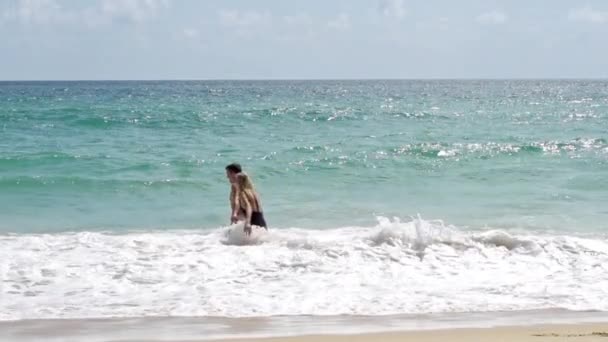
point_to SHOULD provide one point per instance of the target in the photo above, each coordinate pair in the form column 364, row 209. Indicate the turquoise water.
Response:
column 114, row 201
column 82, row 156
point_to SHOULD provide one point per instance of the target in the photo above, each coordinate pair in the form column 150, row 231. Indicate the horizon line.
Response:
column 320, row 79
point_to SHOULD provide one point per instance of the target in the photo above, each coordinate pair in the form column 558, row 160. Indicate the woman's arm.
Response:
column 248, row 212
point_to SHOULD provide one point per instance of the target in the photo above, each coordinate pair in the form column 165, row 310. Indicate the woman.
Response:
column 249, row 203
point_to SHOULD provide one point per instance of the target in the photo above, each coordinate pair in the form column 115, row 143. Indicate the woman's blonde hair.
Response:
column 246, row 190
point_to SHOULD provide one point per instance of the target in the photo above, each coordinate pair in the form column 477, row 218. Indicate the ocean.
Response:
column 383, row 197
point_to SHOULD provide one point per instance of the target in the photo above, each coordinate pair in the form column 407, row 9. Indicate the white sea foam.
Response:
column 395, row 267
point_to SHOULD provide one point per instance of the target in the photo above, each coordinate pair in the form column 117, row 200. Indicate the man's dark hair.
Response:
column 234, row 167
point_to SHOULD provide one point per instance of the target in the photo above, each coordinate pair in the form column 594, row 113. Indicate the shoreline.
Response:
column 509, row 326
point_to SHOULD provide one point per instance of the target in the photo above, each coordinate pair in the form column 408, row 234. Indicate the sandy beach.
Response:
column 538, row 326
column 580, row 332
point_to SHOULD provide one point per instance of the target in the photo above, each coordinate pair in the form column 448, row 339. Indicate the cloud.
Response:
column 588, row 14
column 340, row 23
column 443, row 23
column 36, row 12
column 50, row 12
column 492, row 18
column 243, row 19
column 190, row 32
column 296, row 27
column 393, row 9
column 300, row 19
column 135, row 11
column 246, row 24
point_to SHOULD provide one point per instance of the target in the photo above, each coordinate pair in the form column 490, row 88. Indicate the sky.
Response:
column 312, row 39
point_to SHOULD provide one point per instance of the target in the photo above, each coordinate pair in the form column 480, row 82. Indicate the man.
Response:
column 231, row 171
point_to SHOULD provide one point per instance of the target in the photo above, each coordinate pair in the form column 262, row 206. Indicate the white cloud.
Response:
column 300, row 19
column 393, row 8
column 245, row 24
column 443, row 23
column 190, row 32
column 340, row 23
column 296, row 27
column 243, row 19
column 36, row 12
column 102, row 12
column 493, row 17
column 132, row 10
column 588, row 14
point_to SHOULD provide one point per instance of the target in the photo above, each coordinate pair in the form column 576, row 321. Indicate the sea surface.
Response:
column 397, row 197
